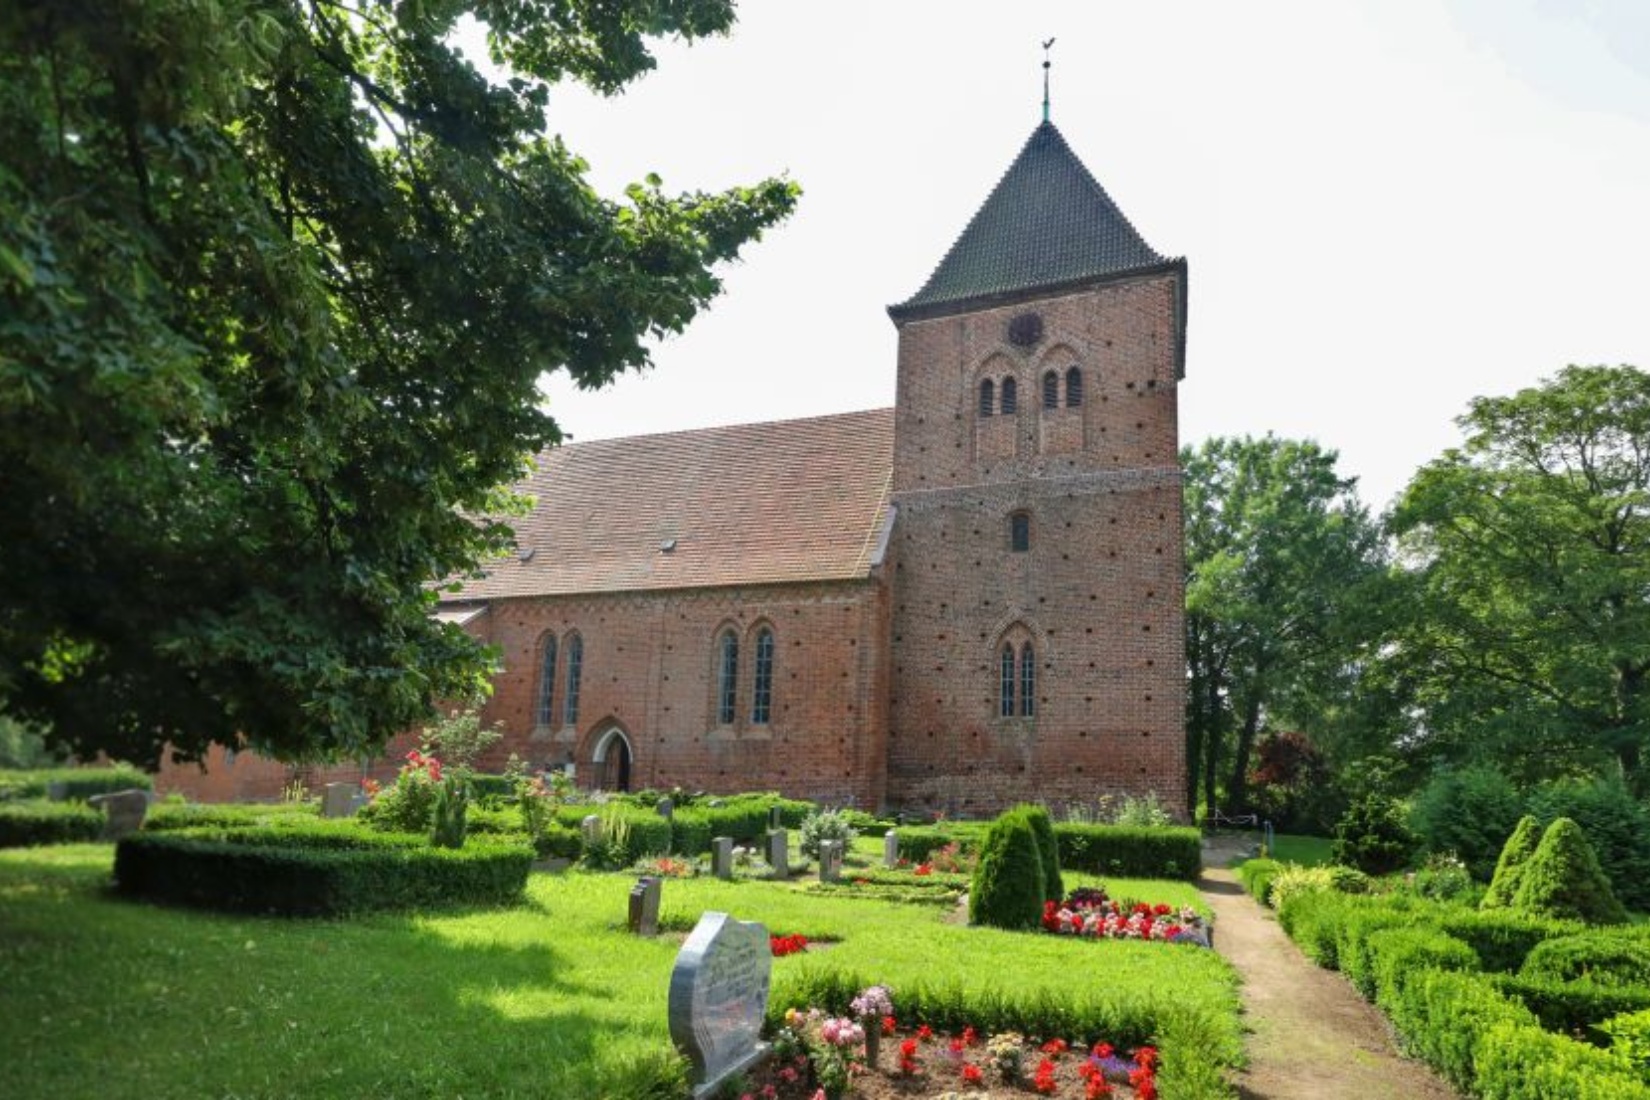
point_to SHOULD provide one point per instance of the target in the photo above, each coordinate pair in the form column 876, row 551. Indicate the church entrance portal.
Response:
column 612, row 762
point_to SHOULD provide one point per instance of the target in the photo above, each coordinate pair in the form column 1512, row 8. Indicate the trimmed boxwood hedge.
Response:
column 1174, row 852
column 650, row 834
column 1257, row 875
column 167, row 817
column 316, row 872
column 1573, row 1007
column 36, row 821
column 78, row 784
column 1600, row 957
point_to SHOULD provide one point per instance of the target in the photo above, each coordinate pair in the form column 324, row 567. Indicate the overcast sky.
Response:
column 1388, row 206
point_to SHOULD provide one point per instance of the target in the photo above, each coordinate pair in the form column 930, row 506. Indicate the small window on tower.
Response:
column 1019, row 532
column 1011, row 398
column 1074, row 388
column 988, row 397
column 1051, row 390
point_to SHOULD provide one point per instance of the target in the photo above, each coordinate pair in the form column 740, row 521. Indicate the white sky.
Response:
column 1388, row 206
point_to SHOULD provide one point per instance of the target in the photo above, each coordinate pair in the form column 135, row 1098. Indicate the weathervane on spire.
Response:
column 1046, row 64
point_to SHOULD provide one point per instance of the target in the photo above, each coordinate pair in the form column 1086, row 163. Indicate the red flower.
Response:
column 908, row 1057
column 1055, row 1047
column 957, row 1046
column 1097, row 1088
column 924, row 869
column 924, row 1032
column 888, row 1025
column 1162, row 909
column 1103, row 1050
column 970, row 1036
column 1043, row 1081
column 971, row 1073
column 1146, row 1058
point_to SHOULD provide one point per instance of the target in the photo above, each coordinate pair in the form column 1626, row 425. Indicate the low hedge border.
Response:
column 314, row 872
column 1172, row 852
column 168, row 817
column 1256, row 875
column 77, row 784
column 1573, row 1007
column 24, row 824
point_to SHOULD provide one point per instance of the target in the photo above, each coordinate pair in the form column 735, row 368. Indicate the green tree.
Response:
column 278, row 281
column 1278, row 552
column 1529, row 547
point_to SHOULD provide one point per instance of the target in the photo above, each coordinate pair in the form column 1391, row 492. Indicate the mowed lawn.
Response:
column 109, row 998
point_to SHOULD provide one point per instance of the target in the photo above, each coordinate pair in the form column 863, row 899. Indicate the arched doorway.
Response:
column 611, row 761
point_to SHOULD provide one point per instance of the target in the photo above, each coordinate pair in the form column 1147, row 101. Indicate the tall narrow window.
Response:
column 545, row 712
column 1028, row 681
column 1011, row 397
column 762, row 693
column 1006, row 706
column 988, row 397
column 575, row 673
column 1019, row 532
column 1074, row 388
column 727, row 678
column 1051, row 390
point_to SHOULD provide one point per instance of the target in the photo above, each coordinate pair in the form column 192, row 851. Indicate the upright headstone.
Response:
column 890, row 849
column 666, row 808
column 721, row 857
column 779, row 853
column 718, row 999
column 830, row 861
column 591, row 827
column 776, row 819
column 338, row 799
column 644, row 906
column 57, row 791
column 123, row 810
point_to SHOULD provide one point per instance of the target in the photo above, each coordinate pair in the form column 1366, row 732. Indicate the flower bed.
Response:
column 1087, row 911
column 787, row 945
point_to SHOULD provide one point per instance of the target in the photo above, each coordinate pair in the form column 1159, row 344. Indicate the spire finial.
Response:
column 1046, row 64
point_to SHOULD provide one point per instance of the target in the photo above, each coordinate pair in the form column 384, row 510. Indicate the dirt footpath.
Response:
column 1311, row 1036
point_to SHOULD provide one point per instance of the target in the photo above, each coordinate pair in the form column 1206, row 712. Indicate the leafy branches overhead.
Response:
column 278, row 279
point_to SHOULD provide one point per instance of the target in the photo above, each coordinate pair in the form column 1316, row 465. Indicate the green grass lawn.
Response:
column 112, row 998
column 1309, row 851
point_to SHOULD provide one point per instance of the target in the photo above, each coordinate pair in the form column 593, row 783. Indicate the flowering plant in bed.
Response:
column 1087, row 911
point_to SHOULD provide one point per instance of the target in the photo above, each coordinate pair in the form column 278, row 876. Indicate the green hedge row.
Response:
column 648, row 833
column 1257, row 875
column 165, row 817
column 77, row 783
column 1130, row 851
column 26, row 823
column 313, row 872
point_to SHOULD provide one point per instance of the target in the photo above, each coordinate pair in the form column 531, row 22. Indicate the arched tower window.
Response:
column 575, row 674
column 1019, row 532
column 762, row 691
column 1028, row 681
column 1074, row 388
column 544, row 714
column 988, row 397
column 1005, row 706
column 1011, row 397
column 1051, row 390
column 727, row 677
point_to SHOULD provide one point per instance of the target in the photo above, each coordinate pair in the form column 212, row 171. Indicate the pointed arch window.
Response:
column 1011, row 397
column 762, row 691
column 1074, row 388
column 1051, row 390
column 1028, row 681
column 988, row 397
column 727, row 677
column 544, row 713
column 1019, row 532
column 575, row 675
column 1005, row 706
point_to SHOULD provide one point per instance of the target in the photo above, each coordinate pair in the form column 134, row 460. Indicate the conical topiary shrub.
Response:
column 1054, row 886
column 1007, row 890
column 1516, row 852
column 1562, row 880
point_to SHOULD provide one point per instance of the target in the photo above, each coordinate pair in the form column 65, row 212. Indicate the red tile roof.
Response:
column 774, row 503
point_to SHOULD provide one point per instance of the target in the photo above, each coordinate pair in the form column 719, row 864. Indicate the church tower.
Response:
column 1037, row 618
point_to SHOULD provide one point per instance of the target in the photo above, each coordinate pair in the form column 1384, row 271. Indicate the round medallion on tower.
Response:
column 1025, row 330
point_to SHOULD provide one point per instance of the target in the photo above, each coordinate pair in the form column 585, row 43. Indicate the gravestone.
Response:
column 57, row 791
column 718, row 999
column 721, row 857
column 779, row 853
column 776, row 819
column 644, row 906
column 830, row 861
column 123, row 810
column 591, row 827
column 339, row 799
column 666, row 808
column 890, row 849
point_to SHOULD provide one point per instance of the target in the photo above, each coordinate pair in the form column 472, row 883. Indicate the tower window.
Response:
column 1051, row 390
column 1006, row 704
column 988, row 397
column 727, row 678
column 575, row 674
column 545, row 712
column 1028, row 681
column 762, row 693
column 1074, row 388
column 1011, row 398
column 1019, row 532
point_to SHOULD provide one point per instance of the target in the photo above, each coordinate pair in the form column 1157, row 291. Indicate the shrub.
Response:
column 225, row 815
column 1145, row 812
column 556, row 841
column 918, row 842
column 24, row 824
column 1008, row 885
column 1257, row 875
column 1573, row 1008
column 1397, row 953
column 1509, row 868
column 1468, row 812
column 1563, row 880
column 1054, row 886
column 1443, row 1013
column 447, row 816
column 1372, row 836
column 825, row 825
column 1522, row 1062
column 1294, row 879
column 1175, row 852
column 1601, row 957
column 628, row 833
column 299, row 872
column 1629, row 1036
column 1445, row 878
column 1502, row 938
column 1617, row 825
column 77, row 784
column 409, row 805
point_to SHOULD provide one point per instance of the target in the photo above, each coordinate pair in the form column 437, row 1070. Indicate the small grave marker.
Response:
column 718, row 999
column 890, row 849
column 721, row 857
column 779, row 849
column 830, row 861
column 339, row 799
column 591, row 827
column 124, row 811
column 644, row 906
column 666, row 808
column 776, row 819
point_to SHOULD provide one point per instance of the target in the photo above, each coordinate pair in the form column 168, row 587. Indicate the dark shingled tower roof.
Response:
column 1048, row 223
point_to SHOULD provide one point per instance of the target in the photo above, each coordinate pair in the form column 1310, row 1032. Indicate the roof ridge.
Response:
column 573, row 444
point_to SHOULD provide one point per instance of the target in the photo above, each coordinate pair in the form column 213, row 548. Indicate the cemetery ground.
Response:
column 550, row 998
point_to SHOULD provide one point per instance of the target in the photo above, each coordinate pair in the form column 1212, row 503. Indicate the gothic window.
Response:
column 544, row 713
column 1074, row 388
column 1006, row 692
column 762, row 692
column 988, row 397
column 1019, row 532
column 1011, row 400
column 1051, row 390
column 575, row 673
column 1028, row 681
column 727, row 677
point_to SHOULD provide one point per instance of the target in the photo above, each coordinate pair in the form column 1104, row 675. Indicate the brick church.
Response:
column 972, row 598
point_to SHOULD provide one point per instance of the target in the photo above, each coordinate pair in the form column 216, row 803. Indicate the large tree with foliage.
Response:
column 1529, row 548
column 278, row 280
column 1280, row 556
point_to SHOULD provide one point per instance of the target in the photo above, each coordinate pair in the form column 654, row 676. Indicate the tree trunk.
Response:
column 1237, row 791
